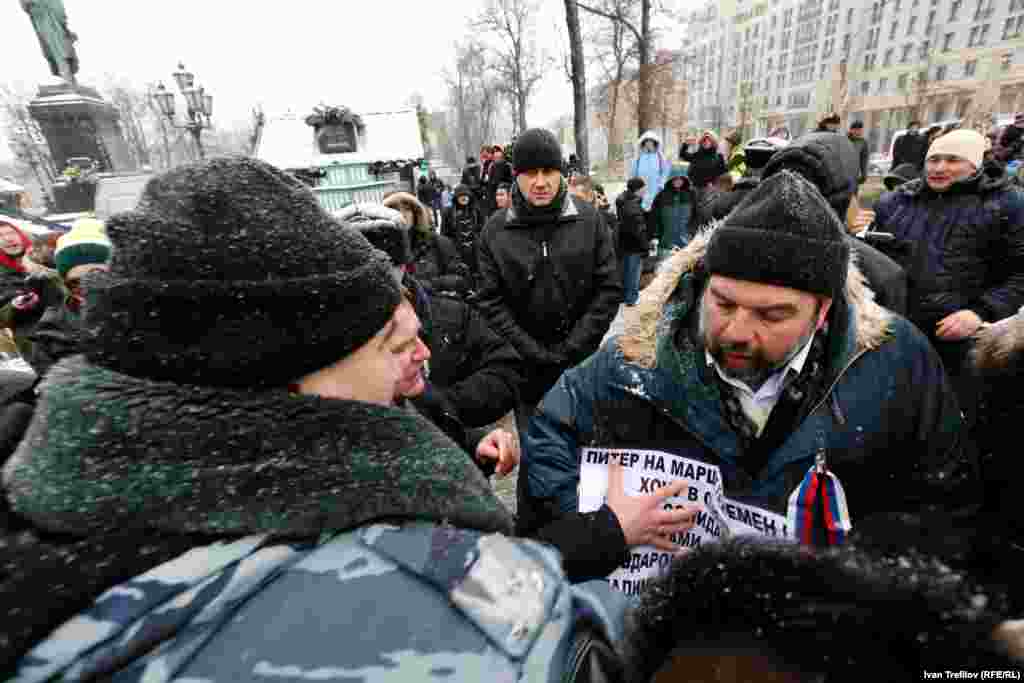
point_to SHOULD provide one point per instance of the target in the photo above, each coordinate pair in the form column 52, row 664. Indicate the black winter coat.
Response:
column 550, row 289
column 500, row 172
column 910, row 148
column 861, row 145
column 436, row 263
column 462, row 224
column 471, row 176
column 477, row 371
column 705, row 165
column 632, row 224
column 969, row 247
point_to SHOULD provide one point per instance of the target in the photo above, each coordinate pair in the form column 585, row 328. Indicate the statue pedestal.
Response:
column 77, row 122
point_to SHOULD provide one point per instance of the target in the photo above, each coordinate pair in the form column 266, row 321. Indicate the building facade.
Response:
column 765, row 63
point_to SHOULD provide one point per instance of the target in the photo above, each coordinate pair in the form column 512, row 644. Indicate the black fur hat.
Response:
column 841, row 614
column 229, row 273
column 782, row 233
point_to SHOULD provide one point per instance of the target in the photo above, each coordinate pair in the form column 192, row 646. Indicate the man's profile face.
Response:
column 752, row 329
column 540, row 185
column 942, row 170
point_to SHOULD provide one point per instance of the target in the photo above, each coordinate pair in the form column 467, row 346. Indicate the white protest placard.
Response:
column 644, row 472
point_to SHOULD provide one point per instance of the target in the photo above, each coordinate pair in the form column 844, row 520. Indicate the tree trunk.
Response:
column 645, row 117
column 579, row 85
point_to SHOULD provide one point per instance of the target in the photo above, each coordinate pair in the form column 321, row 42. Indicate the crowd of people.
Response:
column 245, row 438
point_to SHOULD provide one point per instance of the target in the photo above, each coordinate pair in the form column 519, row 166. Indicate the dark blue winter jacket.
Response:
column 969, row 246
column 888, row 421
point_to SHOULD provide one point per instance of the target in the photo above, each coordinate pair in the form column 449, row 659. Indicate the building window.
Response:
column 849, row 16
column 901, row 82
column 947, row 42
column 865, row 87
column 888, row 57
column 787, row 18
column 906, row 53
column 940, row 72
column 954, row 9
column 846, row 44
column 780, row 82
column 883, row 85
column 775, row 20
column 910, row 25
column 970, row 67
column 892, row 31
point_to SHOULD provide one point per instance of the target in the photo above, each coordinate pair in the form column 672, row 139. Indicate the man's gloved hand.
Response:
column 47, row 287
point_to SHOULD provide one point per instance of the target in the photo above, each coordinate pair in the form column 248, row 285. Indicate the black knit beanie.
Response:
column 783, row 233
column 537, row 148
column 383, row 227
column 228, row 273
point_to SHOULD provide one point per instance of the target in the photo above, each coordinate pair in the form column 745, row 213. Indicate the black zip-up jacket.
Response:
column 705, row 165
column 551, row 289
column 632, row 224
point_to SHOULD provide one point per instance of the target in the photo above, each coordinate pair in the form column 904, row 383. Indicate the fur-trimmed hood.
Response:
column 404, row 200
column 642, row 323
column 107, row 451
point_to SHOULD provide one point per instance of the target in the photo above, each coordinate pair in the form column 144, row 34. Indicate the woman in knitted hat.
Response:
column 231, row 439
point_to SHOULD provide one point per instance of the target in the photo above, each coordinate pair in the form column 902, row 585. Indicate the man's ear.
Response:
column 825, row 305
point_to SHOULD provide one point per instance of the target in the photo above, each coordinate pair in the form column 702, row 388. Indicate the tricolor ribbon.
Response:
column 819, row 503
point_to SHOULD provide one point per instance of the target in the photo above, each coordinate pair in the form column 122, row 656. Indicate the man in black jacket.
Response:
column 548, row 282
column 499, row 174
column 435, row 260
column 910, row 147
column 633, row 243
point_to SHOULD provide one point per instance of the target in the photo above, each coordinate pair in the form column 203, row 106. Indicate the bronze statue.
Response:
column 58, row 42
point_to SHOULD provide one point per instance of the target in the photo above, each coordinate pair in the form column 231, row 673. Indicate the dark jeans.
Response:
column 632, row 265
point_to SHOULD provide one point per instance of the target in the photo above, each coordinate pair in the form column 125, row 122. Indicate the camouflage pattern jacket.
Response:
column 383, row 603
column 255, row 510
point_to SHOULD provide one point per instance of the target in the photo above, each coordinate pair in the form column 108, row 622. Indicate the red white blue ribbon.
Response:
column 819, row 502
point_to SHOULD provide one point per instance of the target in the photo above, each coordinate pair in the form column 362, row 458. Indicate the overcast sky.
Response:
column 367, row 54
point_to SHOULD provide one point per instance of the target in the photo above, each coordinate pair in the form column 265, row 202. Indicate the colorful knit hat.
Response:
column 85, row 243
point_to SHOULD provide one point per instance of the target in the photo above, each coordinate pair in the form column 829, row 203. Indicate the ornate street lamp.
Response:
column 199, row 105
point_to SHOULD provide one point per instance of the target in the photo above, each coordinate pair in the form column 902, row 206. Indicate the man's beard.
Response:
column 761, row 368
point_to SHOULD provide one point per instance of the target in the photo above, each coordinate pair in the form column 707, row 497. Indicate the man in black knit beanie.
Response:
column 548, row 280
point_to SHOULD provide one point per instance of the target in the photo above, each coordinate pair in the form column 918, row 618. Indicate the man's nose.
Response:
column 422, row 351
column 739, row 329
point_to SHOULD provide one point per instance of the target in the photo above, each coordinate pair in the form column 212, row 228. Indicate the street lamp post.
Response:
column 199, row 105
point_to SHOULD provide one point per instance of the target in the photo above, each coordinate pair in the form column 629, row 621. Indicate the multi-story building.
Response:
column 765, row 63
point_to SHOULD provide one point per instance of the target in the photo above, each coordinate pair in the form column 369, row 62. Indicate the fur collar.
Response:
column 641, row 322
column 109, row 451
column 999, row 346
